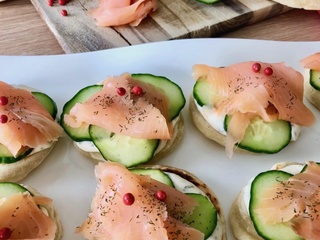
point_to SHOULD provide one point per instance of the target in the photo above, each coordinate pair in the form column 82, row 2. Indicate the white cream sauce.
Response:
column 217, row 121
column 40, row 148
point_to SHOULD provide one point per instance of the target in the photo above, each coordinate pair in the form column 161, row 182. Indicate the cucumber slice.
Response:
column 47, row 102
column 264, row 137
column 81, row 133
column 173, row 92
column 315, row 79
column 9, row 188
column 279, row 231
column 123, row 149
column 204, row 217
column 203, row 93
column 155, row 174
column 7, row 157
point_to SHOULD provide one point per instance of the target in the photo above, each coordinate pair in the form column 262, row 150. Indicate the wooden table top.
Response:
column 23, row 32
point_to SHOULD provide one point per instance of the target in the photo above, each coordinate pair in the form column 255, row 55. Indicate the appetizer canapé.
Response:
column 129, row 119
column 132, row 204
column 28, row 130
column 255, row 106
column 26, row 214
column 280, row 204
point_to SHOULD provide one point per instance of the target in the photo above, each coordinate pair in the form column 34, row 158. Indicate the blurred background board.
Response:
column 174, row 19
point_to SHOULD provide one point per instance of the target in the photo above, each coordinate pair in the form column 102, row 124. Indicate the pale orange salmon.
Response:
column 296, row 201
column 21, row 214
column 311, row 61
column 120, row 12
column 29, row 123
column 144, row 116
column 147, row 218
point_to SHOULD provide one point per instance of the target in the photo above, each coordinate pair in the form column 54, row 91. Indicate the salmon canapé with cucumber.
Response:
column 27, row 214
column 28, row 130
column 150, row 203
column 279, row 204
column 130, row 119
column 250, row 106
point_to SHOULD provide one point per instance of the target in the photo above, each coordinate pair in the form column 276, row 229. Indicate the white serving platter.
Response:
column 68, row 178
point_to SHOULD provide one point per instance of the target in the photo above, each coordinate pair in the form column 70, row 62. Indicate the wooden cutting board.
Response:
column 174, row 19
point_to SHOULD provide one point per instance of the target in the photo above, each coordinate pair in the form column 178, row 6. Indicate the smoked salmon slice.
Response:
column 22, row 215
column 120, row 12
column 244, row 93
column 144, row 116
column 312, row 61
column 296, row 201
column 147, row 218
column 177, row 230
column 29, row 124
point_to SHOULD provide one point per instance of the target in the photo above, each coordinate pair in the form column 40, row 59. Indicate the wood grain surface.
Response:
column 172, row 20
column 296, row 25
column 23, row 32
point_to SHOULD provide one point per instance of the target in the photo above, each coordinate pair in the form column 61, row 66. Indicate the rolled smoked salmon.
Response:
column 121, row 12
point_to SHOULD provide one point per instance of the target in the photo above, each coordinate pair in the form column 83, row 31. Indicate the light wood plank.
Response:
column 23, row 32
column 172, row 20
column 296, row 25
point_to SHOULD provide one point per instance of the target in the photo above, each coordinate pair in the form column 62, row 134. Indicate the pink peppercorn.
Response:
column 128, row 199
column 3, row 100
column 64, row 12
column 256, row 67
column 5, row 233
column 268, row 71
column 121, row 91
column 136, row 90
column 161, row 195
column 3, row 118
